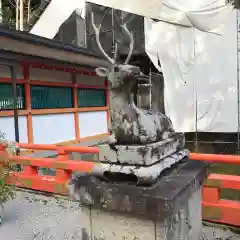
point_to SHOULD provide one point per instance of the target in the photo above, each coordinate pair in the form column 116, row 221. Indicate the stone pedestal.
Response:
column 144, row 155
column 168, row 210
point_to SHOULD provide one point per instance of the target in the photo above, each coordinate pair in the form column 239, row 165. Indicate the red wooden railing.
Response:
column 29, row 177
column 214, row 208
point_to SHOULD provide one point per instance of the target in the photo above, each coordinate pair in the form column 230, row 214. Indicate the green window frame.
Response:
column 91, row 97
column 6, row 98
column 50, row 97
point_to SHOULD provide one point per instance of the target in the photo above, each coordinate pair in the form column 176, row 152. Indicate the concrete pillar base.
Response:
column 169, row 210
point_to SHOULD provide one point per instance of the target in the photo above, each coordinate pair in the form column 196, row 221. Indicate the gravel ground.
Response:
column 37, row 217
column 210, row 233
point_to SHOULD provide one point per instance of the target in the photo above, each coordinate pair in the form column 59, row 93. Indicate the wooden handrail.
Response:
column 215, row 158
column 51, row 147
column 64, row 166
column 73, row 165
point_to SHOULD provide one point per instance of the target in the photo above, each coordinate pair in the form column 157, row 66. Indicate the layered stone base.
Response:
column 143, row 155
column 143, row 174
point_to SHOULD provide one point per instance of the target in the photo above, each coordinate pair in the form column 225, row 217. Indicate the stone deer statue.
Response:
column 129, row 124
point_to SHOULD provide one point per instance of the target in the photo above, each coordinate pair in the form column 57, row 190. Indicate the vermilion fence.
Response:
column 214, row 208
column 29, row 177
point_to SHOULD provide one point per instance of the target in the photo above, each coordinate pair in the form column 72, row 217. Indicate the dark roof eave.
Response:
column 12, row 43
column 18, row 58
column 30, row 38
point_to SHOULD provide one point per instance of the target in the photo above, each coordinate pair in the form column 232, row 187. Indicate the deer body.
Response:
column 129, row 124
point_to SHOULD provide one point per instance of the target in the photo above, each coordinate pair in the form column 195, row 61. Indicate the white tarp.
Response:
column 196, row 13
column 56, row 13
column 199, row 68
column 147, row 8
column 202, row 14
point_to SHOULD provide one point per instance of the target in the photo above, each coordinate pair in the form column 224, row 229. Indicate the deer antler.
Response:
column 115, row 52
column 97, row 33
column 130, row 35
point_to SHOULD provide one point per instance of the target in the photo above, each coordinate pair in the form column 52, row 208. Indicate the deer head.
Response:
column 117, row 73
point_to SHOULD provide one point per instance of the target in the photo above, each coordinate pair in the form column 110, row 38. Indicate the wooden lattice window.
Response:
column 6, row 97
column 91, row 97
column 46, row 97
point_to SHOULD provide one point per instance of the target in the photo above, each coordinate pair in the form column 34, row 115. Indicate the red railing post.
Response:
column 30, row 170
column 62, row 174
column 215, row 208
column 210, row 194
column 3, row 154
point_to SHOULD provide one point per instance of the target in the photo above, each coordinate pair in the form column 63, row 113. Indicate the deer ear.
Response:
column 102, row 72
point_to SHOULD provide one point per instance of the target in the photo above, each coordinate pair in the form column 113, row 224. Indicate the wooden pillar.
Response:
column 28, row 103
column 75, row 102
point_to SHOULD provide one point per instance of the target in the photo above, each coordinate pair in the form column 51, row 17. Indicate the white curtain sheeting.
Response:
column 206, row 15
column 147, row 8
column 199, row 68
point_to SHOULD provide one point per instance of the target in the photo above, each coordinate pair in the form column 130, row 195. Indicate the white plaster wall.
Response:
column 60, row 76
column 49, row 75
column 89, row 80
column 5, row 72
column 92, row 123
column 53, row 128
column 7, row 126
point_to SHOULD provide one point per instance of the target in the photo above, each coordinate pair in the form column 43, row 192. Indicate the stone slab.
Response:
column 183, row 225
column 144, row 155
column 158, row 201
column 143, row 174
